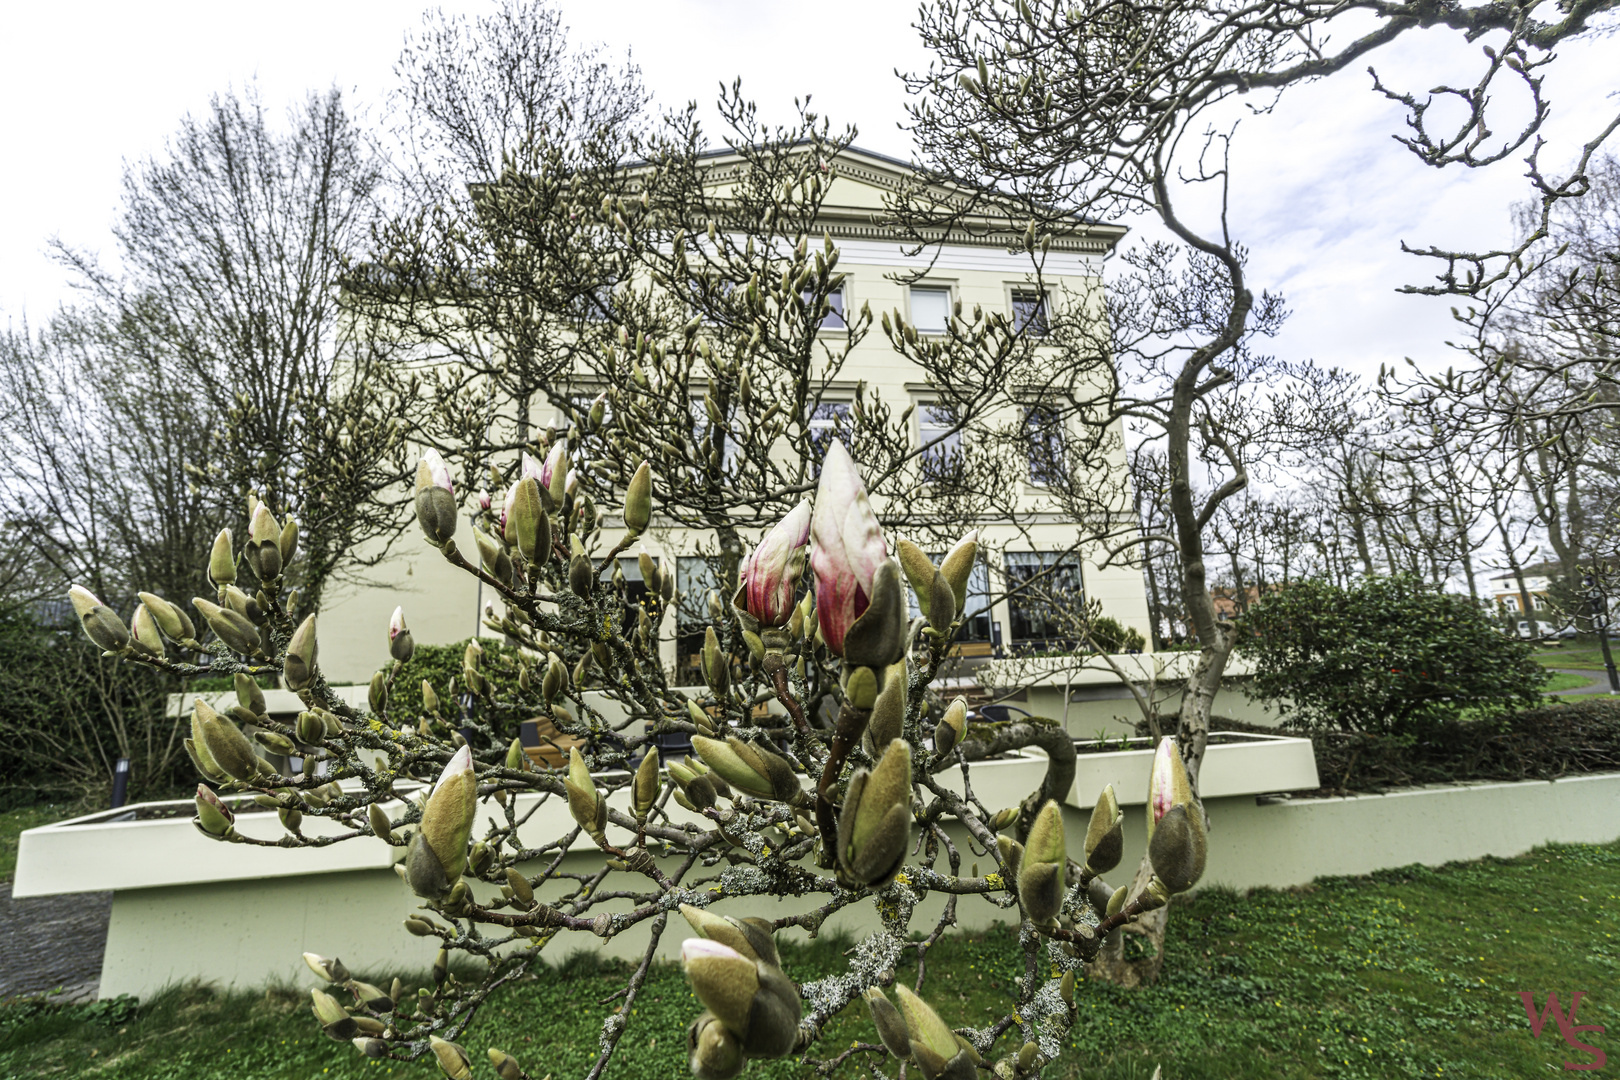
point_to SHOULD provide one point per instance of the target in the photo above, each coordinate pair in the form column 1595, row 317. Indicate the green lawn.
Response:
column 1579, row 657
column 14, row 822
column 1559, row 680
column 1403, row 974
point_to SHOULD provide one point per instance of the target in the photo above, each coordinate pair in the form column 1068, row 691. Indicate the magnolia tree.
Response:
column 769, row 805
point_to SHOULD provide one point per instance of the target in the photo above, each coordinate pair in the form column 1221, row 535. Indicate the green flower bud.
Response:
column 310, row 728
column 235, row 629
column 521, row 889
column 505, row 1065
column 555, row 680
column 1168, row 783
column 100, row 623
column 420, row 927
column 1116, row 902
column 379, row 823
column 713, row 1052
column 957, row 567
column 753, row 938
column 170, row 619
column 952, row 727
column 1012, row 855
column 877, row 638
column 939, row 1054
column 435, row 499
column 213, row 816
column 581, row 576
column 1003, row 818
column 288, row 541
column 1179, row 847
column 370, row 1047
column 224, row 743
column 516, row 759
column 529, row 523
column 430, row 699
column 204, row 764
column 333, row 1018
column 715, row 663
column 861, row 687
column 889, row 710
column 697, row 787
column 891, row 1026
column 1066, row 988
column 750, row 767
column 143, row 629
column 493, row 554
column 644, row 790
column 585, row 803
column 754, row 1001
column 372, row 997
column 447, row 819
column 919, row 569
column 330, row 970
column 299, row 667
column 222, row 561
column 874, row 827
column 276, row 743
column 638, row 499
column 453, row 1060
column 377, row 693
column 249, row 695
column 1040, row 876
column 1105, row 835
column 400, row 645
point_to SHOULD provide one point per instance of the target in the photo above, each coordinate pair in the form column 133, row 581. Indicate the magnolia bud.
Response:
column 752, row 937
column 713, row 1052
column 1040, row 875
column 585, row 803
column 430, row 699
column 528, row 521
column 453, row 1060
column 379, row 822
column 213, row 816
column 938, row 1052
column 100, row 624
column 1003, row 818
column 400, row 645
column 581, row 576
column 1179, row 847
column 952, row 727
column 715, row 663
column 435, row 499
column 505, row 1065
column 874, row 827
column 644, row 790
column 333, row 1018
column 1168, row 784
column 638, row 499
column 170, row 619
column 891, row 1026
column 750, row 767
column 447, row 822
column 696, row 787
column 235, row 629
column 753, row 1000
column 221, row 560
column 888, row 718
column 957, row 567
column 1105, row 835
column 225, row 744
column 299, row 666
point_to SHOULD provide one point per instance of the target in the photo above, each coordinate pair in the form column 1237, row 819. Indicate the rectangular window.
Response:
column 829, row 420
column 1048, row 612
column 940, row 440
column 1029, row 312
column 930, row 308
column 695, row 577
column 1044, row 441
column 834, row 319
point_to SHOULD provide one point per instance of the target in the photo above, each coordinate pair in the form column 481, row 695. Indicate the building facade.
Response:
column 967, row 268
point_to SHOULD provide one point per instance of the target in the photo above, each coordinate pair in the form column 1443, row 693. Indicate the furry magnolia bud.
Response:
column 585, row 803
column 223, row 742
column 1040, row 873
column 749, row 766
column 939, row 1052
column 101, row 625
column 299, row 666
column 1105, row 835
column 638, row 499
column 753, row 1000
column 874, row 828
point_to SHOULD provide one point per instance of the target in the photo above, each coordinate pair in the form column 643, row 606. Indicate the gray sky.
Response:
column 1322, row 194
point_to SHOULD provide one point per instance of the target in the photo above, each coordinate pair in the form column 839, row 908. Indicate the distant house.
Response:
column 1538, row 580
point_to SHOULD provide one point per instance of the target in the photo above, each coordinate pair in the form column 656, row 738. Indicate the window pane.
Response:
column 930, row 308
column 940, row 439
column 1029, row 312
column 1046, row 612
column 1043, row 437
column 834, row 319
column 828, row 420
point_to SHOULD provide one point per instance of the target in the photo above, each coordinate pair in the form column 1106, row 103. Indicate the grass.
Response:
column 14, row 822
column 1406, row 973
column 1578, row 657
column 1559, row 680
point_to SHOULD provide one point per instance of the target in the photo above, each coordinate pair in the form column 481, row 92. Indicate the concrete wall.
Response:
column 245, row 933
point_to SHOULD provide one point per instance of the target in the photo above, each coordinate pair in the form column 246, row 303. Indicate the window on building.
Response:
column 1044, row 441
column 1048, row 610
column 940, row 440
column 930, row 308
column 834, row 319
column 829, row 420
column 695, row 577
column 595, row 304
column 1029, row 312
column 632, row 587
column 705, row 427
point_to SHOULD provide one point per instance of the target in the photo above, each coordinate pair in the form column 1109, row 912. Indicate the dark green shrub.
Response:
column 1388, row 655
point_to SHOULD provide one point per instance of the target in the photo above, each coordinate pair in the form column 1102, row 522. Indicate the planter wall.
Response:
column 195, row 923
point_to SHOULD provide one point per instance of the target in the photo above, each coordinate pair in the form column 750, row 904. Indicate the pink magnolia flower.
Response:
column 771, row 571
column 1167, row 784
column 483, row 499
column 396, row 623
column 434, row 472
column 848, row 546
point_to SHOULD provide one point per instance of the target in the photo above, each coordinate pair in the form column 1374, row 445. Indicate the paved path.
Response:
column 1598, row 685
column 52, row 942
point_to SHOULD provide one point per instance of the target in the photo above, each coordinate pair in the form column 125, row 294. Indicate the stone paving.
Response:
column 52, row 943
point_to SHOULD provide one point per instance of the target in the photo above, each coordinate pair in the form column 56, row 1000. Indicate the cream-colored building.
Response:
column 971, row 267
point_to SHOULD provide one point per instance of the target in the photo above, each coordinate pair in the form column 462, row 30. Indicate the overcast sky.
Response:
column 1322, row 194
